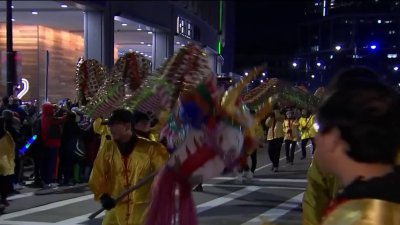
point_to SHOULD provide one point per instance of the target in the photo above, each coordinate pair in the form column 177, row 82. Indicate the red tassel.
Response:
column 162, row 205
column 187, row 210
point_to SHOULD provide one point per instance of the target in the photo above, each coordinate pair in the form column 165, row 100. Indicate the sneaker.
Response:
column 275, row 169
column 198, row 188
column 18, row 187
column 35, row 185
column 249, row 175
column 239, row 178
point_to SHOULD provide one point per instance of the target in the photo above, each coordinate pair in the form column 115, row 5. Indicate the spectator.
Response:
column 70, row 137
column 51, row 137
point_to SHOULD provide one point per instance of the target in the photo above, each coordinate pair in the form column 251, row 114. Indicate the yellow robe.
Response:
column 294, row 126
column 277, row 130
column 365, row 212
column 112, row 174
column 306, row 126
column 321, row 189
column 7, row 155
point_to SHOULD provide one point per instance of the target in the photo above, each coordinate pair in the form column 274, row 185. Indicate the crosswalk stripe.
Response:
column 200, row 208
column 227, row 198
column 267, row 179
column 13, row 222
column 273, row 214
column 261, row 187
column 45, row 207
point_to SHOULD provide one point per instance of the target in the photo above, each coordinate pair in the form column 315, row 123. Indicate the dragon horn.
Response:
column 230, row 97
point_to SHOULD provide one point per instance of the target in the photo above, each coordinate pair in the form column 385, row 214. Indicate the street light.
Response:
column 395, row 68
column 246, row 73
column 294, row 64
column 318, row 64
column 338, row 47
column 313, row 76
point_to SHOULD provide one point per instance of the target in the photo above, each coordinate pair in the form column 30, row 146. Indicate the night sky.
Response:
column 267, row 27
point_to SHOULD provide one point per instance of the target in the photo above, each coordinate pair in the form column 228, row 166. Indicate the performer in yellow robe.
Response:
column 321, row 190
column 121, row 163
column 7, row 164
column 358, row 141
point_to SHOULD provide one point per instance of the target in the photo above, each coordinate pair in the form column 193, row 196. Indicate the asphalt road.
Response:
column 224, row 201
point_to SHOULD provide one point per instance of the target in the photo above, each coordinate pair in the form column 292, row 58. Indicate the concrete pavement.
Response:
column 276, row 196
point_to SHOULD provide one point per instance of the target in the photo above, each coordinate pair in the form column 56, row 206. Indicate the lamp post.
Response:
column 11, row 76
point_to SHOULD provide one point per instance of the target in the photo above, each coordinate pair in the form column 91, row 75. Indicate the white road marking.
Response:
column 45, row 207
column 79, row 219
column 267, row 179
column 227, row 198
column 273, row 214
column 262, row 187
column 22, row 195
column 12, row 222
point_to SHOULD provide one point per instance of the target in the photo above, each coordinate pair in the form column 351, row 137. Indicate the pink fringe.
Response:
column 162, row 206
column 187, row 210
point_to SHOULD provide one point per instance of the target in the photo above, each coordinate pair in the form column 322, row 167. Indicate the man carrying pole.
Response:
column 122, row 162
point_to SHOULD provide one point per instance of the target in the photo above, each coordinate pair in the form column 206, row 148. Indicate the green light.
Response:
column 219, row 47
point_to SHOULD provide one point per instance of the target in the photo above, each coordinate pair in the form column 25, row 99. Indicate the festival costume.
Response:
column 291, row 131
column 367, row 202
column 321, row 189
column 7, row 164
column 306, row 126
column 204, row 129
column 113, row 173
column 275, row 137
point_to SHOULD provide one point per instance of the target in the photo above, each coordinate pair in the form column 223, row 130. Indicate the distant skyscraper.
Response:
column 340, row 33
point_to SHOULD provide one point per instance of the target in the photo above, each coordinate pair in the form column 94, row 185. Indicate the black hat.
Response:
column 120, row 115
column 144, row 116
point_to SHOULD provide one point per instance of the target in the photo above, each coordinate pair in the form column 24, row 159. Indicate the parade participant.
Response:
column 291, row 131
column 275, row 136
column 321, row 189
column 143, row 124
column 307, row 130
column 367, row 171
column 7, row 164
column 121, row 163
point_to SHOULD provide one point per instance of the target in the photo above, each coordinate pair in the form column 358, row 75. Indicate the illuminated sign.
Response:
column 184, row 27
column 25, row 88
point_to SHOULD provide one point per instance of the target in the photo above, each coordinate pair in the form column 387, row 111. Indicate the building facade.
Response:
column 104, row 30
column 339, row 34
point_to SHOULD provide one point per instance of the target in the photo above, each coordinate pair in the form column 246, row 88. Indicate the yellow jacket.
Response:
column 275, row 126
column 112, row 174
column 321, row 189
column 7, row 155
column 101, row 130
column 306, row 126
column 291, row 129
column 365, row 212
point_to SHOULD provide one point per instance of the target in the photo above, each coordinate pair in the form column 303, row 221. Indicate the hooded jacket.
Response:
column 50, row 123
